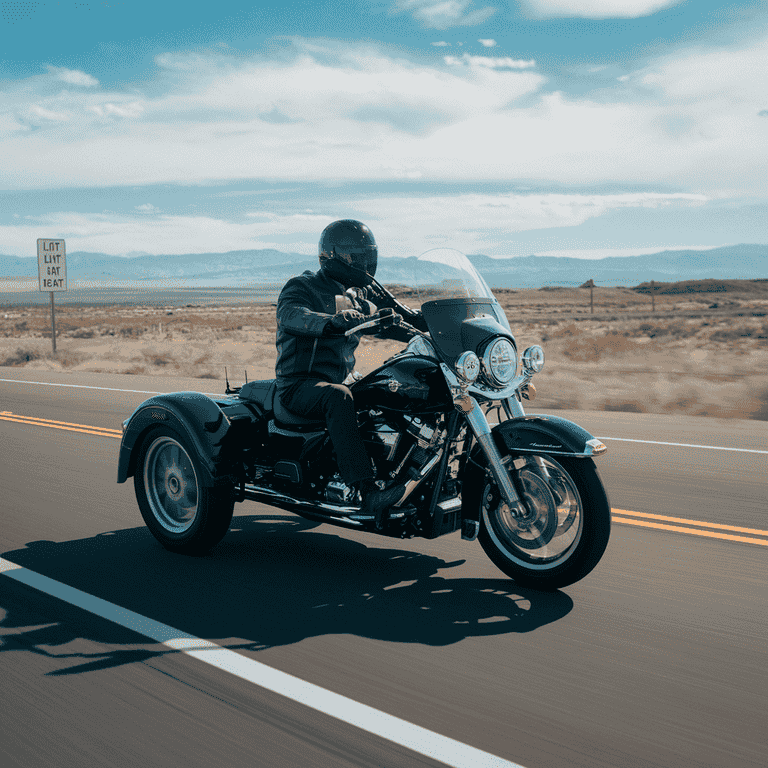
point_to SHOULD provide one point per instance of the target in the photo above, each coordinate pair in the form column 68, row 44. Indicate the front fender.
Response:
column 530, row 434
column 537, row 433
column 196, row 418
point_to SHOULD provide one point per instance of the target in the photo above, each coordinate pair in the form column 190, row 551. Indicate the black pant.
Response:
column 318, row 399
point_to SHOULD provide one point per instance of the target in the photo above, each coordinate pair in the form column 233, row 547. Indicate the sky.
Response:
column 584, row 128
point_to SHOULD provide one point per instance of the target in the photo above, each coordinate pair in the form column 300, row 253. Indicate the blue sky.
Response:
column 505, row 127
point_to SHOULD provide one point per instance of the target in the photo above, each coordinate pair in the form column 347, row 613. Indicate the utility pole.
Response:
column 591, row 285
column 653, row 297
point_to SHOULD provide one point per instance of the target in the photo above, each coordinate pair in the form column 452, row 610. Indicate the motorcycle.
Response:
column 526, row 486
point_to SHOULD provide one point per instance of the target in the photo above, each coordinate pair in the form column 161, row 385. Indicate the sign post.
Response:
column 52, row 271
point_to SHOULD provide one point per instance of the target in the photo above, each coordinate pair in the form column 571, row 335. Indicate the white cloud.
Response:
column 327, row 110
column 479, row 223
column 126, row 109
column 403, row 225
column 504, row 62
column 73, row 76
column 443, row 14
column 440, row 44
column 596, row 9
column 161, row 234
column 487, row 43
column 36, row 114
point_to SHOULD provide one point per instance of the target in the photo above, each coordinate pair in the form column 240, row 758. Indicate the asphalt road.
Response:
column 658, row 658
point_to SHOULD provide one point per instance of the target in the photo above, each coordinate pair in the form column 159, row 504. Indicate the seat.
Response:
column 265, row 394
column 288, row 418
column 261, row 392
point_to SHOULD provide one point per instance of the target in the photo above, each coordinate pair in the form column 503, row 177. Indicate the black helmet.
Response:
column 348, row 253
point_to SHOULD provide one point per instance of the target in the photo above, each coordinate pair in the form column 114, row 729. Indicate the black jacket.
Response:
column 307, row 345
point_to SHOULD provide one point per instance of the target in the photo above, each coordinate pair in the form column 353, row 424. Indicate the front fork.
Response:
column 475, row 417
column 482, row 432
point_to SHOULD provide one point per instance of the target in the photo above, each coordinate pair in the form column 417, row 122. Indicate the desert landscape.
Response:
column 702, row 350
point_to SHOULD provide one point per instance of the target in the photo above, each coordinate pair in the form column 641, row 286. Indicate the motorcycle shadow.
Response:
column 277, row 579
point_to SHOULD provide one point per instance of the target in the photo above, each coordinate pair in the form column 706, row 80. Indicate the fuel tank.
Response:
column 409, row 384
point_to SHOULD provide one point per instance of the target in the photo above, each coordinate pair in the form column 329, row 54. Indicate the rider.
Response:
column 314, row 356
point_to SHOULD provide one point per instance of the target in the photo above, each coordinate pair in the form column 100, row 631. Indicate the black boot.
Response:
column 376, row 502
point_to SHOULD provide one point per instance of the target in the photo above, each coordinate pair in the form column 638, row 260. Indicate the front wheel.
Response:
column 565, row 527
column 183, row 515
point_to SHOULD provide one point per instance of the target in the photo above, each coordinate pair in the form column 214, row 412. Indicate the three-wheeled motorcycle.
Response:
column 525, row 485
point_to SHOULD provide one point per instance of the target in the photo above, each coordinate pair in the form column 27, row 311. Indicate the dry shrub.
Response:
column 69, row 358
column 83, row 333
column 136, row 369
column 590, row 350
column 156, row 357
column 205, row 375
column 567, row 331
column 130, row 331
column 22, row 356
column 733, row 334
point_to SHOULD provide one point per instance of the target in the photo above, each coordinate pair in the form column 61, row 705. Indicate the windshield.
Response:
column 459, row 308
column 443, row 273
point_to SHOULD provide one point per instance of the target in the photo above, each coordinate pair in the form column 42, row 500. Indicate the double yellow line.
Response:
column 85, row 428
column 621, row 516
column 691, row 527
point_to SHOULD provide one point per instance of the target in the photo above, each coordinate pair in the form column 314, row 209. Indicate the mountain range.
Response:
column 253, row 267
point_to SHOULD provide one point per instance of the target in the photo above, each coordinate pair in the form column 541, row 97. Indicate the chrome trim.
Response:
column 528, row 363
column 482, row 432
column 468, row 366
column 470, row 529
column 411, row 485
column 450, row 504
column 513, row 408
column 488, row 373
column 499, row 394
column 596, row 448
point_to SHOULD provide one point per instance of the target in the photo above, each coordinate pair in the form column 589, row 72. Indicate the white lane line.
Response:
column 684, row 445
column 219, row 394
column 106, row 389
column 413, row 737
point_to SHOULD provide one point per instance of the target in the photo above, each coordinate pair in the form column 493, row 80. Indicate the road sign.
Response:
column 52, row 265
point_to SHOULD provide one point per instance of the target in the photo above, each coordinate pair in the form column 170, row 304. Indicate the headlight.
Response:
column 500, row 362
column 533, row 359
column 468, row 366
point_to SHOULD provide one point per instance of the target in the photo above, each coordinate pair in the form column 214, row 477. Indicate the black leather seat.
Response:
column 265, row 394
column 286, row 417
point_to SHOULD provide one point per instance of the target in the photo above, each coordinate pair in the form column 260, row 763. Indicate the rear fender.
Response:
column 210, row 428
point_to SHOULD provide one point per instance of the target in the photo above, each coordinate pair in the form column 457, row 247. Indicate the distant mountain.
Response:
column 242, row 268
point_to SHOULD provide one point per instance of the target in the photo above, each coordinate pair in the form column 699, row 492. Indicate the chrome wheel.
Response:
column 171, row 485
column 551, row 526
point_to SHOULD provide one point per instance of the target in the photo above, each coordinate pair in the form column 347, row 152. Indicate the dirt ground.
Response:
column 699, row 353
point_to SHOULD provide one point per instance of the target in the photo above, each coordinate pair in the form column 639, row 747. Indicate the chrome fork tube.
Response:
column 482, row 432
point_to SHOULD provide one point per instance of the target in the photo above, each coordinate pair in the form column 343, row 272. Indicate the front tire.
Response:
column 183, row 515
column 565, row 531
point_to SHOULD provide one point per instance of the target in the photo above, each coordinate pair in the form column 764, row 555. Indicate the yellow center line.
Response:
column 691, row 531
column 105, row 432
column 616, row 513
column 686, row 521
column 51, row 421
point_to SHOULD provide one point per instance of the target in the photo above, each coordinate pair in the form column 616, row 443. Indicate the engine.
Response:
column 401, row 445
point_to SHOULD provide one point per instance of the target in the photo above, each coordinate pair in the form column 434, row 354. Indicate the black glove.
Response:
column 346, row 319
column 377, row 295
